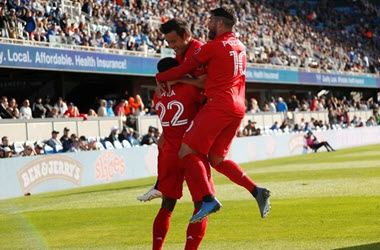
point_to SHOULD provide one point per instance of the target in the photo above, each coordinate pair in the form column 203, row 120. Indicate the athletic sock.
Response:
column 195, row 233
column 235, row 174
column 160, row 228
column 195, row 174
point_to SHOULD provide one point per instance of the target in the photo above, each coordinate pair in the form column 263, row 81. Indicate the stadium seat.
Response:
column 18, row 147
column 117, row 144
column 29, row 143
column 48, row 150
column 58, row 149
column 108, row 145
column 126, row 144
column 100, row 145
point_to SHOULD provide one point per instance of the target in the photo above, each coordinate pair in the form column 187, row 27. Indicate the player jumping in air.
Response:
column 176, row 110
column 225, row 90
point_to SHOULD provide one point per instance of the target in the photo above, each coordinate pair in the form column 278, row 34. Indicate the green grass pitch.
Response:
column 319, row 201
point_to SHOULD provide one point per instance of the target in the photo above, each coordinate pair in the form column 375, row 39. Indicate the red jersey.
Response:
column 176, row 110
column 225, row 58
column 193, row 46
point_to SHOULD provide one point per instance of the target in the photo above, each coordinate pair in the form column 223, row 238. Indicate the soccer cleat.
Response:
column 150, row 195
column 262, row 199
column 206, row 209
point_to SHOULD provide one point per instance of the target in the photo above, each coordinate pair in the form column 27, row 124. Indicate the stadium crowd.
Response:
column 127, row 138
column 306, row 34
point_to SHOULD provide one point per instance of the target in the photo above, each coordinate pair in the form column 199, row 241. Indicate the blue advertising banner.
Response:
column 42, row 58
column 29, row 57
column 337, row 80
column 271, row 75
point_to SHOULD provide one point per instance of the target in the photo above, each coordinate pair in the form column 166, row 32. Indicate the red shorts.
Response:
column 212, row 131
column 171, row 175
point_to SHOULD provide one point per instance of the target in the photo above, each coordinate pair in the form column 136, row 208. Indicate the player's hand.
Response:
column 159, row 90
column 169, row 84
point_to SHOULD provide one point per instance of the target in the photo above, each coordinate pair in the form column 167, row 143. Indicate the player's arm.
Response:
column 161, row 140
column 179, row 71
column 198, row 81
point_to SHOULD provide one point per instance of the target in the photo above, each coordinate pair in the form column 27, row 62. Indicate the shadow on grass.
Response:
column 361, row 247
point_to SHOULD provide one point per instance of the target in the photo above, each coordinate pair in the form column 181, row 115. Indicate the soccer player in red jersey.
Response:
column 178, row 35
column 225, row 58
column 176, row 109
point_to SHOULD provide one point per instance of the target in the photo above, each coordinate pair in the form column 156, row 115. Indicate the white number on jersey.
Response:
column 176, row 118
column 238, row 62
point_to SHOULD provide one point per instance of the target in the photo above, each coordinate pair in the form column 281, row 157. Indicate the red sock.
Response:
column 235, row 174
column 160, row 228
column 196, row 174
column 206, row 163
column 195, row 233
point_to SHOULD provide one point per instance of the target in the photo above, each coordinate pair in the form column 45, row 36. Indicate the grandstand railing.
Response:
column 264, row 120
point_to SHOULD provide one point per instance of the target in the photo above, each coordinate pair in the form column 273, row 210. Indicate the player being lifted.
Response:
column 176, row 110
column 225, row 58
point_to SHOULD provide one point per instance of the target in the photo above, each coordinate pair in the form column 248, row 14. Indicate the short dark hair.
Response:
column 176, row 24
column 166, row 63
column 226, row 14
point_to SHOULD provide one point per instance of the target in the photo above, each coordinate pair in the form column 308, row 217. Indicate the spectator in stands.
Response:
column 12, row 108
column 65, row 140
column 92, row 144
column 285, row 126
column 92, row 113
column 252, row 107
column 3, row 23
column 110, row 112
column 371, row 122
column 274, row 126
column 293, row 103
column 113, row 135
column 131, row 137
column 5, row 143
column 102, row 111
column 4, row 113
column 53, row 141
column 25, row 110
column 8, row 153
column 149, row 138
column 281, row 105
column 12, row 24
column 29, row 151
column 54, row 113
column 39, row 110
column 249, row 129
column 75, row 146
column 314, row 104
column 61, row 106
column 48, row 107
column 272, row 105
column 83, row 143
column 120, row 108
column 123, row 134
column 39, row 149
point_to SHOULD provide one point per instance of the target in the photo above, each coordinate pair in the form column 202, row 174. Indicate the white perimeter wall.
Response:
column 39, row 174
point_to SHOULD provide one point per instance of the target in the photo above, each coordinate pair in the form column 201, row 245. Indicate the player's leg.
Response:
column 170, row 182
column 232, row 170
column 195, row 231
column 153, row 192
column 196, row 177
column 162, row 222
